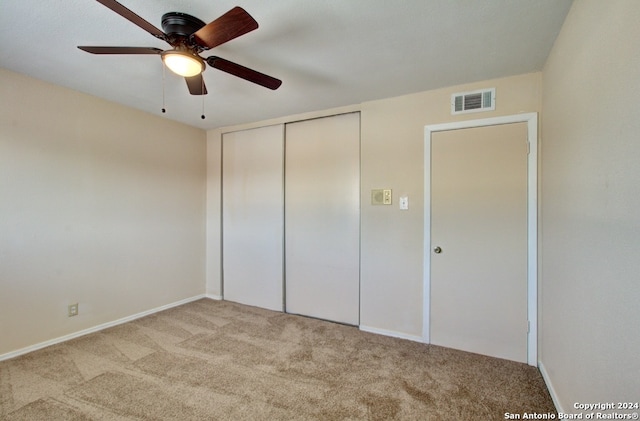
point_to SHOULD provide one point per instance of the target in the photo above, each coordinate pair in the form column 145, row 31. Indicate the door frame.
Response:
column 532, row 220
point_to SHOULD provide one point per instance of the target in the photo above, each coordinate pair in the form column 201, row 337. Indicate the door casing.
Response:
column 532, row 220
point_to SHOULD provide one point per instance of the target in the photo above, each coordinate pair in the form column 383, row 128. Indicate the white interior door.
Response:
column 478, row 297
column 253, row 216
column 322, row 218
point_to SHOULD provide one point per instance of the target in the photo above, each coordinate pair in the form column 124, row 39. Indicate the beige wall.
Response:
column 392, row 139
column 99, row 204
column 590, row 273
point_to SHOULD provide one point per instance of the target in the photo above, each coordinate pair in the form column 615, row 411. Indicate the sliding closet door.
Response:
column 322, row 218
column 252, row 216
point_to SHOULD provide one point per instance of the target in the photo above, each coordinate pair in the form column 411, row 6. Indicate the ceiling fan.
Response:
column 189, row 36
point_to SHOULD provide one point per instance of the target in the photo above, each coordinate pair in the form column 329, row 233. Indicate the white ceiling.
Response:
column 328, row 53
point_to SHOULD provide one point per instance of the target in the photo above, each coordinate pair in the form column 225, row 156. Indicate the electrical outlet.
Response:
column 73, row 309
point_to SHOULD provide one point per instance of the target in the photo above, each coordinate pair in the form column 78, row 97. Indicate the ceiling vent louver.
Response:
column 473, row 101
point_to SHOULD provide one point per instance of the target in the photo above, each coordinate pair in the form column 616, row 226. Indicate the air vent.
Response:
column 474, row 101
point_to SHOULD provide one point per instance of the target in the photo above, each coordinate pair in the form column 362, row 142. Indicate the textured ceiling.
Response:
column 328, row 53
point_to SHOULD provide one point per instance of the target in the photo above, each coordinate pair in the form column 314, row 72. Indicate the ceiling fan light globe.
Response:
column 182, row 63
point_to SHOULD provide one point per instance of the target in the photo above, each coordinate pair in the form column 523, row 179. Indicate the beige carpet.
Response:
column 216, row 360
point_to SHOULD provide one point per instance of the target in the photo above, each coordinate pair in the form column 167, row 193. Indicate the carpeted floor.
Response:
column 216, row 360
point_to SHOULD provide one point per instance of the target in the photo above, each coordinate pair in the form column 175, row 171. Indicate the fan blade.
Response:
column 196, row 85
column 133, row 18
column 120, row 50
column 244, row 72
column 231, row 25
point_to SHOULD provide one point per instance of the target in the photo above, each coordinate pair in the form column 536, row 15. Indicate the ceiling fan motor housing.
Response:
column 180, row 24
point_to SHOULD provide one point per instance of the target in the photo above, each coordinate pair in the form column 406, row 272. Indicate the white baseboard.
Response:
column 214, row 297
column 103, row 326
column 391, row 333
column 552, row 392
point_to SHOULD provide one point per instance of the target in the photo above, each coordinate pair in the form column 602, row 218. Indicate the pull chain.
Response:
column 202, row 90
column 163, row 109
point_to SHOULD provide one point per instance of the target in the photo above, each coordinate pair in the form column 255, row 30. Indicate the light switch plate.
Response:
column 404, row 203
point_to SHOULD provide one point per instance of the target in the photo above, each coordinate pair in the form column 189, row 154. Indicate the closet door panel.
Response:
column 322, row 218
column 253, row 216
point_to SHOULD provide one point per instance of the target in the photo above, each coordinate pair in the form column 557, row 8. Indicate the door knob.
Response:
column 437, row 250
